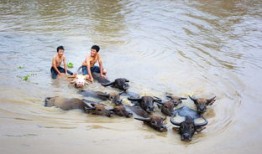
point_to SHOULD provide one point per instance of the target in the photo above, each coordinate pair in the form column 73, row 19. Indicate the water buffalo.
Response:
column 119, row 83
column 100, row 79
column 79, row 80
column 154, row 121
column 146, row 102
column 202, row 103
column 97, row 108
column 96, row 76
column 121, row 110
column 190, row 123
column 65, row 103
column 114, row 97
column 167, row 107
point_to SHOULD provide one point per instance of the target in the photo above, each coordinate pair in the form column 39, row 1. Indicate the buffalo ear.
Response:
column 193, row 99
column 211, row 101
column 126, row 80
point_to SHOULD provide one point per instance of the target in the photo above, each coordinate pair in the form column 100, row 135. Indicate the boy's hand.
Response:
column 61, row 74
column 102, row 75
column 91, row 79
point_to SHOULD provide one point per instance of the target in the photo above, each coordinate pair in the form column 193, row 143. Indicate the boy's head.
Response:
column 60, row 50
column 94, row 50
column 95, row 47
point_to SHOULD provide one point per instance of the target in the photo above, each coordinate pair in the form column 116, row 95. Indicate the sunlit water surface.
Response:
column 201, row 48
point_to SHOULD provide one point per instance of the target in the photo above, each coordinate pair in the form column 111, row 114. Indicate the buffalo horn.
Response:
column 201, row 124
column 174, row 122
column 182, row 98
column 156, row 99
column 107, row 84
column 126, row 80
column 169, row 96
column 211, row 100
column 142, row 119
column 134, row 99
column 87, row 108
column 88, row 103
column 121, row 92
column 193, row 99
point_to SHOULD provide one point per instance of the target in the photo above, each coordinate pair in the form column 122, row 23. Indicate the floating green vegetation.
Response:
column 20, row 67
column 26, row 77
column 70, row 65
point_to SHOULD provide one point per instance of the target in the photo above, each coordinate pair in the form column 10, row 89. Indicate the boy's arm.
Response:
column 85, row 62
column 65, row 66
column 100, row 63
column 89, row 70
column 54, row 66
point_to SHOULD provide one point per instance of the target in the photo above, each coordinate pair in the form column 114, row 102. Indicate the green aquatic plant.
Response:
column 70, row 65
column 20, row 67
column 26, row 77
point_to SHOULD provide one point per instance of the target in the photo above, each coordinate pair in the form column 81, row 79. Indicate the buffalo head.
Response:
column 168, row 106
column 202, row 103
column 120, row 110
column 146, row 102
column 113, row 97
column 97, row 108
column 79, row 80
column 188, row 127
column 175, row 99
column 155, row 122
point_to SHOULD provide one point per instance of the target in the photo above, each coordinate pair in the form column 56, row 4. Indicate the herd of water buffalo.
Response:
column 186, row 120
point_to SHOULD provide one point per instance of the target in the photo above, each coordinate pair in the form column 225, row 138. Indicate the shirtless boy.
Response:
column 56, row 69
column 89, row 64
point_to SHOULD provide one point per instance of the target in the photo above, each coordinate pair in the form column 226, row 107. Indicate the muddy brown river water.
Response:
column 201, row 48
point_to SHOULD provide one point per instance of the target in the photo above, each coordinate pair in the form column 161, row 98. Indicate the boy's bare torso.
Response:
column 91, row 60
column 58, row 60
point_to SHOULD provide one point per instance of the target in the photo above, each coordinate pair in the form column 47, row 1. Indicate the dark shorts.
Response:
column 62, row 70
column 95, row 69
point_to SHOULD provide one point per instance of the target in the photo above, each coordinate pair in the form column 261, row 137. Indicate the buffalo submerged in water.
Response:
column 146, row 102
column 167, row 107
column 191, row 122
column 114, row 97
column 202, row 103
column 155, row 121
column 76, row 103
column 65, row 103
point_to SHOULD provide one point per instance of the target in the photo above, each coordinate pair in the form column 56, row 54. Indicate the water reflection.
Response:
column 201, row 48
column 107, row 21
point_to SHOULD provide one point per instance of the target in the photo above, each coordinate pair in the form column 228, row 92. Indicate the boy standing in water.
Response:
column 56, row 69
column 88, row 66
